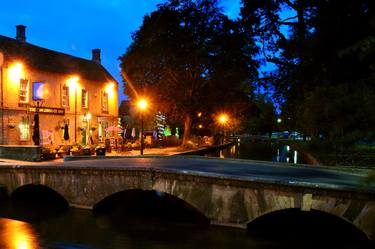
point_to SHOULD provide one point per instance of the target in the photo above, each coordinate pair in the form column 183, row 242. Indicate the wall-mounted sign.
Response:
column 38, row 91
column 48, row 110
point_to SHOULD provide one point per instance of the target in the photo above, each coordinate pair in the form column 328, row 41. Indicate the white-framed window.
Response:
column 104, row 101
column 65, row 96
column 84, row 99
column 25, row 128
column 24, row 91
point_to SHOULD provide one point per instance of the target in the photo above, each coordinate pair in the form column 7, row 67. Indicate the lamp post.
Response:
column 223, row 119
column 142, row 105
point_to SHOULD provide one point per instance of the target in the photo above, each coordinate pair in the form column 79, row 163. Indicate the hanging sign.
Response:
column 48, row 110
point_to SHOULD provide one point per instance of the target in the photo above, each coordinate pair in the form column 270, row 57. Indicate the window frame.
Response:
column 24, row 126
column 26, row 91
column 105, row 104
column 84, row 94
column 67, row 96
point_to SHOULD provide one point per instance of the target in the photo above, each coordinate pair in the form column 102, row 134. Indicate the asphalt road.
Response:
column 302, row 175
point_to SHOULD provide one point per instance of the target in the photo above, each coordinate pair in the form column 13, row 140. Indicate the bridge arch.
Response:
column 149, row 204
column 295, row 223
column 37, row 201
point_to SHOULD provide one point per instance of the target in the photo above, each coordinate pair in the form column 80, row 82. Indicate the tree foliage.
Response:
column 188, row 56
column 324, row 52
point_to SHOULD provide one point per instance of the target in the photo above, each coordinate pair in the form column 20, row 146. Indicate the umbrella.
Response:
column 66, row 132
column 113, row 128
column 36, row 135
column 133, row 133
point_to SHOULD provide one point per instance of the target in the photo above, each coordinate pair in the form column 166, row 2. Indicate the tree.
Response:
column 324, row 59
column 188, row 57
column 262, row 116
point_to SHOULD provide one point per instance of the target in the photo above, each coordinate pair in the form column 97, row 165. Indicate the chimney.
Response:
column 21, row 33
column 96, row 55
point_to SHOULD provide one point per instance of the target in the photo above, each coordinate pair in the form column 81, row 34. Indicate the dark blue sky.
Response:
column 77, row 26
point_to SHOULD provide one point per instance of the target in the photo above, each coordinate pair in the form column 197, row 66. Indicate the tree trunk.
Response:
column 187, row 126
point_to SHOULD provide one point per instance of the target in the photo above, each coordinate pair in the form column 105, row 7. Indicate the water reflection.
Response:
column 17, row 235
column 261, row 150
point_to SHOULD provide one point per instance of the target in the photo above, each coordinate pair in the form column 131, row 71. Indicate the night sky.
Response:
column 76, row 27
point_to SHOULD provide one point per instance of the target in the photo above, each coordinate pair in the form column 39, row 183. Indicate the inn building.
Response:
column 76, row 99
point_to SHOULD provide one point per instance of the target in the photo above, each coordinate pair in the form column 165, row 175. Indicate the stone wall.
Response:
column 24, row 153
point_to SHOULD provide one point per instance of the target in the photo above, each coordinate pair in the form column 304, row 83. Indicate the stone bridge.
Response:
column 224, row 200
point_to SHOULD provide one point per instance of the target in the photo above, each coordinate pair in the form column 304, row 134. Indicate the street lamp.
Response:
column 223, row 119
column 73, row 82
column 142, row 105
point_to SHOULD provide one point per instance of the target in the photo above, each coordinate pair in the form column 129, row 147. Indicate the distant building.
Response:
column 66, row 91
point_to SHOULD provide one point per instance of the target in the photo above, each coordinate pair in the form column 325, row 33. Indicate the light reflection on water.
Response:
column 17, row 235
column 261, row 150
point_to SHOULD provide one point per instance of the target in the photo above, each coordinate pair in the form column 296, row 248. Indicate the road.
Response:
column 301, row 175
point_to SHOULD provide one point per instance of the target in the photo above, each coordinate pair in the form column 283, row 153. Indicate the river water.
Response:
column 33, row 227
column 262, row 150
column 36, row 220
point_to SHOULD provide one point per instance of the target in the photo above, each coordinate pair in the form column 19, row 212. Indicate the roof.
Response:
column 52, row 61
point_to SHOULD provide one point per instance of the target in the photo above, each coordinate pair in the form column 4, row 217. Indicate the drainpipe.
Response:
column 2, row 96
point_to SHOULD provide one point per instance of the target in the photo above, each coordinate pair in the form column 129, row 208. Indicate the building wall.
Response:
column 15, row 113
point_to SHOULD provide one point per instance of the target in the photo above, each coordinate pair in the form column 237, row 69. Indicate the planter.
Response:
column 75, row 153
column 87, row 152
column 100, row 151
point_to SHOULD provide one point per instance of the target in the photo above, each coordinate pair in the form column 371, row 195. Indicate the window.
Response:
column 24, row 129
column 24, row 90
column 105, row 102
column 84, row 98
column 65, row 96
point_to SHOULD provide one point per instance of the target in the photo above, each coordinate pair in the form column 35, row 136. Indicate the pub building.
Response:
column 75, row 99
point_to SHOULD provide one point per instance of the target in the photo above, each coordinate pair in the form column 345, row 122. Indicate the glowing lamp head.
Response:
column 88, row 116
column 142, row 104
column 73, row 82
column 109, row 88
column 16, row 72
column 223, row 118
column 200, row 126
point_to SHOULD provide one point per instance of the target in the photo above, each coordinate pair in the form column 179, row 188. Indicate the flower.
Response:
column 100, row 146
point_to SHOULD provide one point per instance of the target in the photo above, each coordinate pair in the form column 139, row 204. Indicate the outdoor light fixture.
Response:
column 223, row 119
column 16, row 72
column 142, row 105
column 109, row 89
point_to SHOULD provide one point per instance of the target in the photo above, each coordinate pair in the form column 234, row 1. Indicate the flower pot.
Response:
column 87, row 152
column 100, row 151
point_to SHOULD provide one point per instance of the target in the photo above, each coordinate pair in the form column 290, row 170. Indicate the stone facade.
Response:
column 75, row 91
column 225, row 201
column 15, row 113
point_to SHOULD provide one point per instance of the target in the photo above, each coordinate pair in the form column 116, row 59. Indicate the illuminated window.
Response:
column 24, row 90
column 24, row 129
column 65, row 96
column 104, row 101
column 84, row 98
